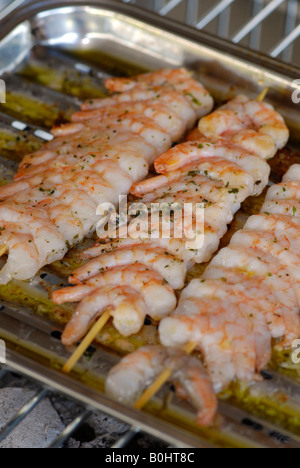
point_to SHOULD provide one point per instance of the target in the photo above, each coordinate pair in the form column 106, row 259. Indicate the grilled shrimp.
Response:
column 171, row 269
column 283, row 228
column 163, row 115
column 18, row 246
column 282, row 247
column 68, row 129
column 284, row 191
column 176, row 247
column 133, row 155
column 156, row 78
column 272, row 256
column 159, row 297
column 213, row 189
column 181, row 103
column 126, row 306
column 193, row 383
column 145, row 127
column 253, row 125
column 128, row 379
column 54, row 188
column 39, row 157
column 219, row 202
column 288, row 207
column 192, row 152
column 281, row 307
column 246, row 297
column 151, row 133
column 219, row 318
column 40, row 245
column 179, row 79
column 230, row 173
column 293, row 174
column 99, row 184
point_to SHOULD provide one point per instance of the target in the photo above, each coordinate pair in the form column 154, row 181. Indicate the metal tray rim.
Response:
column 44, row 374
column 33, row 8
column 54, row 380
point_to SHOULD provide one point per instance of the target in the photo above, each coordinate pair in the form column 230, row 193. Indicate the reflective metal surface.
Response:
column 143, row 39
column 224, row 67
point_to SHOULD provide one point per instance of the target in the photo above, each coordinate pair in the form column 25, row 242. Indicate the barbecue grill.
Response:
column 48, row 62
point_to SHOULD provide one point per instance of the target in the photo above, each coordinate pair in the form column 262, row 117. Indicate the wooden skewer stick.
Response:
column 86, row 342
column 3, row 250
column 262, row 95
column 160, row 381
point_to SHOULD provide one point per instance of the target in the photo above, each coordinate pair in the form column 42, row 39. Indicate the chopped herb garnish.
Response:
column 193, row 173
column 194, row 99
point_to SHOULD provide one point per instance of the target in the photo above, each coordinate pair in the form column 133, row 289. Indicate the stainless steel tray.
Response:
column 145, row 41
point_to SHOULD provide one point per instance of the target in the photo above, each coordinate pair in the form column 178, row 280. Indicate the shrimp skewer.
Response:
column 131, row 156
column 218, row 168
column 170, row 121
column 233, row 313
column 134, row 373
column 245, row 296
column 186, row 153
column 121, row 85
column 253, row 125
column 127, row 308
column 149, row 283
column 57, row 190
column 145, row 127
column 172, row 269
column 142, row 89
column 232, row 317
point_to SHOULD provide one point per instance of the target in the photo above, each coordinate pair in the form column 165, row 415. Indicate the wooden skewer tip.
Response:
column 160, row 381
column 3, row 250
column 86, row 342
column 262, row 95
